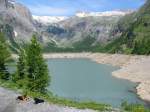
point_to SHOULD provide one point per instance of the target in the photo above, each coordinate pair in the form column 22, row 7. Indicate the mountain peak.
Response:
column 55, row 19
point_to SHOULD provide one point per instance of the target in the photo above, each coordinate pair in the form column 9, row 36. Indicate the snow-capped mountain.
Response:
column 100, row 14
column 19, row 24
column 79, row 25
column 55, row 19
column 49, row 19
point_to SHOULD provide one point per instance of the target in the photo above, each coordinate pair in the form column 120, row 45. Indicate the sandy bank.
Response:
column 134, row 68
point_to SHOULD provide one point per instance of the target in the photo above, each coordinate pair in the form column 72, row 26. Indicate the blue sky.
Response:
column 69, row 7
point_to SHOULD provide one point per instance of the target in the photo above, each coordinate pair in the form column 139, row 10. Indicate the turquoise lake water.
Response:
column 86, row 80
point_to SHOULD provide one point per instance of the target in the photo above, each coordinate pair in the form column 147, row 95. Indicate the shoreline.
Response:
column 135, row 68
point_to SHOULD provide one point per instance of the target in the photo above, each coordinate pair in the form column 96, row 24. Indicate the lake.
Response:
column 86, row 80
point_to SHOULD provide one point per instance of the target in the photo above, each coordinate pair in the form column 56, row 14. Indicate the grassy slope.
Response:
column 135, row 36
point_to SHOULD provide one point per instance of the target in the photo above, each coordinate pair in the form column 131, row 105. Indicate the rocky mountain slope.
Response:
column 82, row 25
column 86, row 29
column 135, row 33
column 16, row 20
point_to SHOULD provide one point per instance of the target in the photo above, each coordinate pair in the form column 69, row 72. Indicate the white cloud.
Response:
column 47, row 10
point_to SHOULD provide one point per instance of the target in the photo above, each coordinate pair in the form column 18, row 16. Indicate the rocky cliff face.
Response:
column 18, row 18
column 3, row 3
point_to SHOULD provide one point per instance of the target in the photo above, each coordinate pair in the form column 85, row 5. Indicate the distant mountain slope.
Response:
column 135, row 29
column 111, row 31
column 80, row 26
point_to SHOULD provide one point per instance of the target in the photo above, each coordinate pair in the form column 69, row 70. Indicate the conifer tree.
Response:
column 21, row 76
column 4, row 57
column 37, row 69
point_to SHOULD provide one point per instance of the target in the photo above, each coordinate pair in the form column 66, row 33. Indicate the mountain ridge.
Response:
column 49, row 19
column 81, row 14
column 113, row 31
column 135, row 37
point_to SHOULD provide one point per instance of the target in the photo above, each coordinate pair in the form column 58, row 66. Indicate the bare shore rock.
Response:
column 139, row 72
column 8, row 103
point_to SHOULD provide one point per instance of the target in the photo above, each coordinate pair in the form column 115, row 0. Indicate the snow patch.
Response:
column 15, row 33
column 55, row 19
column 11, row 2
column 49, row 19
column 100, row 14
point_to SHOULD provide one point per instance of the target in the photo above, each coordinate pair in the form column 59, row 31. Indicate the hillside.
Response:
column 135, row 33
column 112, row 31
column 78, row 27
column 18, row 24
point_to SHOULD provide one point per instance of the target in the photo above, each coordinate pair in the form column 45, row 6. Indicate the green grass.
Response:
column 55, row 99
column 134, row 107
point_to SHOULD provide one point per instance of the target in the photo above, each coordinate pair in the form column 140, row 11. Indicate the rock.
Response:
column 18, row 17
column 8, row 103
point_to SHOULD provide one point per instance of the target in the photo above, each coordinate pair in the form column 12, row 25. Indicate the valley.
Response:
column 88, row 61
